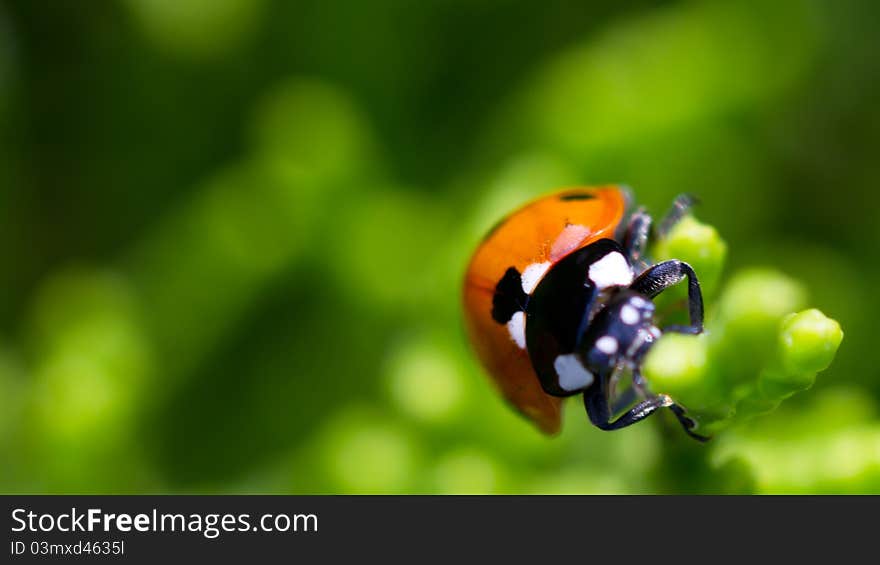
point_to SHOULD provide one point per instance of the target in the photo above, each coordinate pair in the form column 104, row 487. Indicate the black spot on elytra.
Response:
column 509, row 298
column 577, row 195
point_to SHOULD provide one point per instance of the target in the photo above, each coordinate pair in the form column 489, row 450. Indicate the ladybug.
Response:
column 558, row 302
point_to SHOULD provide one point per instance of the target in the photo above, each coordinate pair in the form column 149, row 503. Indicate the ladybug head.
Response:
column 621, row 332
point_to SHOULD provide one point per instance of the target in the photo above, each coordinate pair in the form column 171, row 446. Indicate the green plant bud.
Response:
column 746, row 328
column 757, row 299
column 699, row 245
column 753, row 355
column 808, row 342
column 676, row 365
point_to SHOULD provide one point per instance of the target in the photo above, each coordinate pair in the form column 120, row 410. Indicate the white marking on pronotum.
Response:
column 607, row 345
column 639, row 302
column 629, row 315
column 611, row 270
column 572, row 374
column 532, row 274
column 517, row 328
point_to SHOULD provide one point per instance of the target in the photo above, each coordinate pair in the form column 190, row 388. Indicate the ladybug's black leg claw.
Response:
column 680, row 208
column 687, row 423
column 668, row 273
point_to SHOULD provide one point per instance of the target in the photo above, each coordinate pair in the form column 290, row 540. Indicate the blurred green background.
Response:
column 232, row 232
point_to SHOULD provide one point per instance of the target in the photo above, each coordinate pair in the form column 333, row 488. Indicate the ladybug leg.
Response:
column 661, row 276
column 680, row 208
column 635, row 238
column 638, row 229
column 596, row 403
